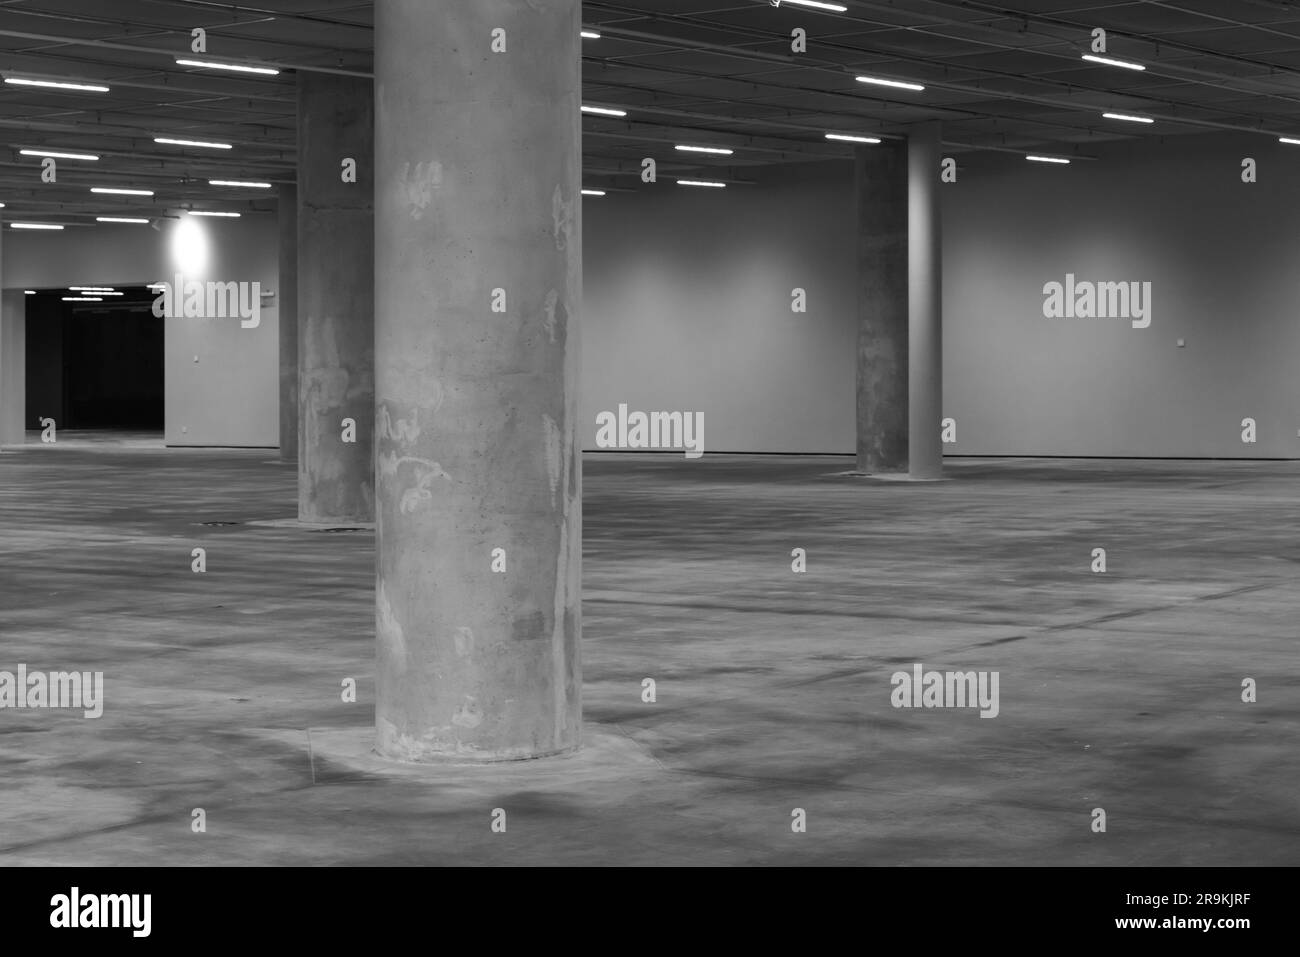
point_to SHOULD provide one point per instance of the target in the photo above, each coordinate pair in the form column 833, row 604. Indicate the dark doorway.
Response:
column 95, row 365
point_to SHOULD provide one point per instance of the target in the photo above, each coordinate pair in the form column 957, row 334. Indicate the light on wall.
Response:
column 189, row 247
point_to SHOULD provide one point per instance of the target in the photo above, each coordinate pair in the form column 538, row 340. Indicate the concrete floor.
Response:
column 1119, row 691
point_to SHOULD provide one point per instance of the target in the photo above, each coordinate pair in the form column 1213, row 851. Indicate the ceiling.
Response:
column 1002, row 76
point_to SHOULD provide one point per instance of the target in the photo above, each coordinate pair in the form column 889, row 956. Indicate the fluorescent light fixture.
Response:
column 65, row 156
column 590, row 35
column 82, row 299
column 34, row 226
column 706, row 149
column 210, row 146
column 1109, row 62
column 895, row 83
column 238, row 182
column 119, row 219
column 593, row 192
column 815, row 4
column 29, row 292
column 1287, row 139
column 208, row 212
column 90, row 289
column 603, row 111
column 156, row 285
column 1048, row 159
column 113, row 190
column 852, row 139
column 1125, row 116
column 700, row 182
column 2, row 205
column 56, row 85
column 234, row 67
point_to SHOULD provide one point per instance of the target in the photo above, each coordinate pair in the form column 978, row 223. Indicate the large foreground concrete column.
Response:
column 925, row 303
column 13, row 366
column 478, row 518
column 881, row 195
column 287, row 298
column 336, row 302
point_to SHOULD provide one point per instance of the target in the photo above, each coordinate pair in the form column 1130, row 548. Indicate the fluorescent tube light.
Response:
column 233, row 67
column 119, row 219
column 34, row 226
column 113, row 190
column 211, row 146
column 700, row 182
column 706, row 149
column 238, row 182
column 1048, row 159
column 208, row 212
column 852, row 139
column 895, row 83
column 604, row 111
column 56, row 84
column 1125, row 116
column 66, row 156
column 1109, row 62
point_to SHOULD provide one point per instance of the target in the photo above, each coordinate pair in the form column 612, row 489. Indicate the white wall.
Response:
column 230, row 396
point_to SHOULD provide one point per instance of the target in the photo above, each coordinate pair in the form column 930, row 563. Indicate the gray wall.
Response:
column 229, row 397
column 686, row 307
column 1222, row 258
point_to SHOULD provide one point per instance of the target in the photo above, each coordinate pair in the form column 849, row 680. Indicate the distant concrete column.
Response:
column 336, row 299
column 287, row 300
column 881, row 194
column 925, row 303
column 479, row 522
column 13, row 366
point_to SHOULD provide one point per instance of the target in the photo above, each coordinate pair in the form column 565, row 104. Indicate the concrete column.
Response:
column 925, row 303
column 478, row 464
column 881, row 195
column 13, row 366
column 336, row 302
column 287, row 301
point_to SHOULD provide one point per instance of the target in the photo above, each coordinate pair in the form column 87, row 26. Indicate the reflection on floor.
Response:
column 1118, row 690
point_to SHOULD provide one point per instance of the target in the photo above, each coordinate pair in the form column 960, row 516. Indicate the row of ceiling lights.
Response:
column 589, row 109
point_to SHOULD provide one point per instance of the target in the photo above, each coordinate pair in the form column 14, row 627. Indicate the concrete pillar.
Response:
column 881, row 195
column 925, row 303
column 478, row 464
column 13, row 366
column 287, row 301
column 336, row 302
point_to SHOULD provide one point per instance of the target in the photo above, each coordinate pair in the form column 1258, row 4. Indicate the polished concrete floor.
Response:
column 1119, row 691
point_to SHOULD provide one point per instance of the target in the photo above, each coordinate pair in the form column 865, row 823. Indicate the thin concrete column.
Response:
column 881, row 195
column 287, row 298
column 478, row 268
column 925, row 303
column 336, row 303
column 13, row 366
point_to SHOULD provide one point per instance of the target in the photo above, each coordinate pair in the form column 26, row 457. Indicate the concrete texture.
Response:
column 336, row 290
column 287, row 302
column 881, row 200
column 13, row 365
column 479, row 523
column 1118, row 690
column 924, row 303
